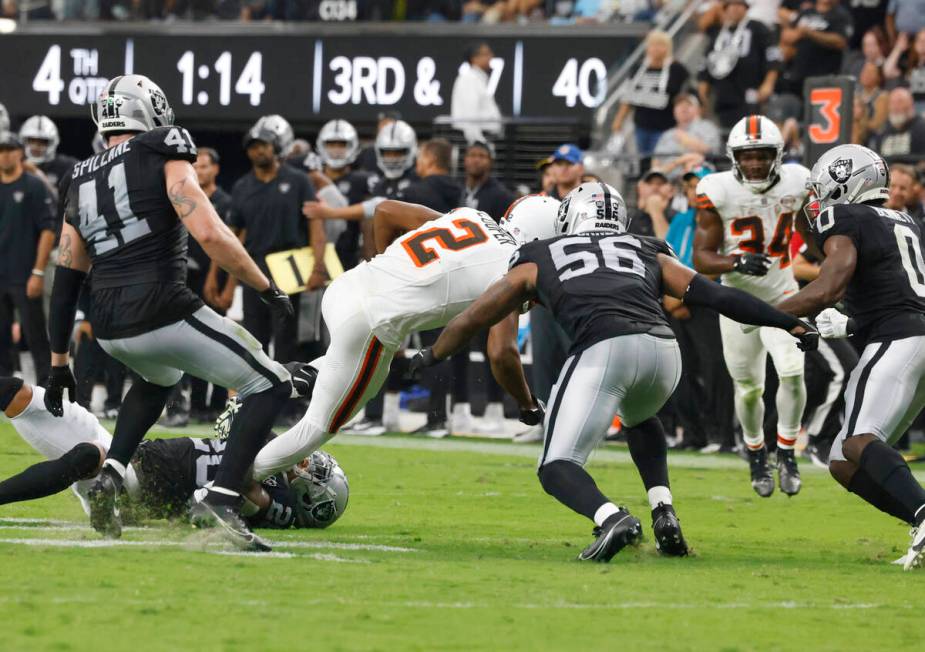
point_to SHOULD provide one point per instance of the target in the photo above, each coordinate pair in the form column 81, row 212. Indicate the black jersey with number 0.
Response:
column 170, row 470
column 599, row 285
column 886, row 295
column 117, row 200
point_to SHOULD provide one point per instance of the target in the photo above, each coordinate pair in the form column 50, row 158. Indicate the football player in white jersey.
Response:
column 419, row 280
column 744, row 222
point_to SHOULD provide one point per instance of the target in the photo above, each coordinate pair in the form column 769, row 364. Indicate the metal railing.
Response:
column 603, row 116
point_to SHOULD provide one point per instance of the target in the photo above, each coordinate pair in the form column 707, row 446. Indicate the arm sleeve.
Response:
column 63, row 307
column 736, row 304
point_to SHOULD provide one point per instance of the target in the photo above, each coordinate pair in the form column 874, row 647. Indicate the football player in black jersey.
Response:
column 127, row 212
column 164, row 473
column 338, row 145
column 604, row 287
column 873, row 259
column 40, row 138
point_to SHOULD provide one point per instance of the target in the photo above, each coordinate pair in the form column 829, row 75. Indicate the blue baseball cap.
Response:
column 567, row 152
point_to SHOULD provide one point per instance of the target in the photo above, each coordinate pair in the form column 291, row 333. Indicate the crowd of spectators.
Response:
column 557, row 12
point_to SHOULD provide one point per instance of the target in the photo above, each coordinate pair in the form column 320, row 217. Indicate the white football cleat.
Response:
column 916, row 551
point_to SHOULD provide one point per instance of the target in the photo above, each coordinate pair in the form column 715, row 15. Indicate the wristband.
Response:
column 38, row 272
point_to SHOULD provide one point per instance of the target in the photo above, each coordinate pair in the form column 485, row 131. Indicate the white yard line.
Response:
column 193, row 545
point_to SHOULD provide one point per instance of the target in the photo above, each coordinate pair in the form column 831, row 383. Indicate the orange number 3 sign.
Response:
column 829, row 101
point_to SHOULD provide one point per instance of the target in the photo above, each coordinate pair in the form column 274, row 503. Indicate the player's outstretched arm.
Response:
column 504, row 296
column 695, row 289
column 841, row 258
column 204, row 224
column 504, row 357
column 393, row 217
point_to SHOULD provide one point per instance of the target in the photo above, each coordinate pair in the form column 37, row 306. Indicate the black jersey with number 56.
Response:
column 886, row 295
column 600, row 285
column 117, row 200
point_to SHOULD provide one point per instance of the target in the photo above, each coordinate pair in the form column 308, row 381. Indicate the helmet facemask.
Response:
column 760, row 182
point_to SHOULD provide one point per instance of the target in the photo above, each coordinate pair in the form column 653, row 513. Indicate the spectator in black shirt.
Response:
column 482, row 190
column 815, row 43
column 742, row 65
column 266, row 212
column 650, row 93
column 903, row 137
column 653, row 213
column 27, row 234
column 435, row 188
column 865, row 15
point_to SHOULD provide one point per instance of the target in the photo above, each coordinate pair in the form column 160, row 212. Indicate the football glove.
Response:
column 60, row 379
column 832, row 324
column 808, row 338
column 303, row 379
column 420, row 361
column 752, row 264
column 533, row 416
column 278, row 302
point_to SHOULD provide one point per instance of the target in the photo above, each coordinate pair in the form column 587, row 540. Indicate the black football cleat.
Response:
column 667, row 529
column 762, row 479
column 104, row 508
column 618, row 531
column 787, row 472
column 219, row 510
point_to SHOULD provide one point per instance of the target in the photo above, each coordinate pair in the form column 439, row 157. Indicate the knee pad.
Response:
column 9, row 387
column 85, row 458
column 748, row 390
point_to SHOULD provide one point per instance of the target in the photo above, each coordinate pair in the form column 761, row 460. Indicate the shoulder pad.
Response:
column 173, row 143
column 710, row 193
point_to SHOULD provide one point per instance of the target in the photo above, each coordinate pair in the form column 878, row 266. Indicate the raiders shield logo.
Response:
column 18, row 196
column 840, row 170
column 284, row 187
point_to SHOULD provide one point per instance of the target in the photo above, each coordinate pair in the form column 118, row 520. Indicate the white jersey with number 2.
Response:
column 429, row 275
column 758, row 223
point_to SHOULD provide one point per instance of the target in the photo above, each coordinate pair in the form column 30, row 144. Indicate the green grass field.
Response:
column 454, row 546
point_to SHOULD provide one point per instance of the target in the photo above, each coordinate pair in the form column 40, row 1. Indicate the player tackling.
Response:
column 744, row 221
column 873, row 259
column 604, row 287
column 128, row 213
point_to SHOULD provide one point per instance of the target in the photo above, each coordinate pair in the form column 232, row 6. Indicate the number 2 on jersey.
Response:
column 420, row 246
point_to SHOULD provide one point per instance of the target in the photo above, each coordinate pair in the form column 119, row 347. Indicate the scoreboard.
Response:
column 351, row 73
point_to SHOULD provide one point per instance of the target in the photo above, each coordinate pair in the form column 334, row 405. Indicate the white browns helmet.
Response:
column 531, row 217
column 755, row 132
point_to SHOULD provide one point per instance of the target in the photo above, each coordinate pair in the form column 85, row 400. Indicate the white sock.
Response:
column 658, row 495
column 753, row 442
column 116, row 466
column 391, row 409
column 223, row 490
column 604, row 512
column 494, row 411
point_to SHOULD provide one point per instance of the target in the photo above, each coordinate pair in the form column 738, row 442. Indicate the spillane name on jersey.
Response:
column 757, row 223
column 886, row 295
column 117, row 200
column 429, row 275
column 600, row 285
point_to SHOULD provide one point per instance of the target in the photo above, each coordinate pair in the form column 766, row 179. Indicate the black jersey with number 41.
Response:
column 117, row 200
column 599, row 285
column 886, row 295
